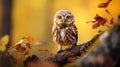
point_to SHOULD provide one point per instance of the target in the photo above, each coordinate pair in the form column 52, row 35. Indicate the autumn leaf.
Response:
column 95, row 25
column 99, row 21
column 28, row 38
column 21, row 48
column 104, row 5
column 111, row 21
column 22, row 44
column 3, row 42
column 107, row 12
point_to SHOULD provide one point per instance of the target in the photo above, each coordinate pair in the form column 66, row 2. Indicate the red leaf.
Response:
column 111, row 21
column 95, row 25
column 108, row 12
column 104, row 5
column 19, row 48
column 102, row 22
column 100, row 19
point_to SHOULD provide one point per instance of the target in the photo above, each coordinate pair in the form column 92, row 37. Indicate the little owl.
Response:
column 64, row 29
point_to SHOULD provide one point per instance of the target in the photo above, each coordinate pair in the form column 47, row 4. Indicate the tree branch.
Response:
column 62, row 58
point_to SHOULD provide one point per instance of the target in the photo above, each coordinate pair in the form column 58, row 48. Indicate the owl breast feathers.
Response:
column 66, row 36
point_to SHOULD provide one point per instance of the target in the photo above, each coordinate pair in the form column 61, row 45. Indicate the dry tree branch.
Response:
column 62, row 58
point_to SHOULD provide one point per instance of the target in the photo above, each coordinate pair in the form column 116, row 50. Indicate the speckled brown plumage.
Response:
column 64, row 30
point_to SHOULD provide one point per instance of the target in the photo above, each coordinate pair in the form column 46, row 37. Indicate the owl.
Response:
column 64, row 30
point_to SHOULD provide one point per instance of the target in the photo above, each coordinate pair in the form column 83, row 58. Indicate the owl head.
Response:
column 64, row 17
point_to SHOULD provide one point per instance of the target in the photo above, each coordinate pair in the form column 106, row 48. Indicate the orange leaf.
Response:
column 30, row 39
column 104, row 5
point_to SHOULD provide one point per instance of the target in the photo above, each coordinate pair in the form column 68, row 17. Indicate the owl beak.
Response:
column 64, row 20
column 63, row 24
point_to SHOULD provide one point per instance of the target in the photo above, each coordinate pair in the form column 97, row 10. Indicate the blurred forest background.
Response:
column 19, row 18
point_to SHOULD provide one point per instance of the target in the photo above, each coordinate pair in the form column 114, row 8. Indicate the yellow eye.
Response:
column 59, row 17
column 68, row 17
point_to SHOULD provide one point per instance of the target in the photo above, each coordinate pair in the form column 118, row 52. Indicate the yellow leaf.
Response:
column 3, row 42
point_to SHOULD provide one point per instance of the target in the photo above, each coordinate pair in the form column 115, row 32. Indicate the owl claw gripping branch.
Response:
column 64, row 29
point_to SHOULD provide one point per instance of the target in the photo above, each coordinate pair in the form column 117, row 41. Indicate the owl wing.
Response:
column 55, row 32
column 54, row 29
column 75, row 32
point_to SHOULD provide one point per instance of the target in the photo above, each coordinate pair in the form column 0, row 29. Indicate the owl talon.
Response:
column 68, row 49
column 60, row 51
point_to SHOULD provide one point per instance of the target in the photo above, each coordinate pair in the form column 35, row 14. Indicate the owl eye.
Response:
column 59, row 17
column 68, row 17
